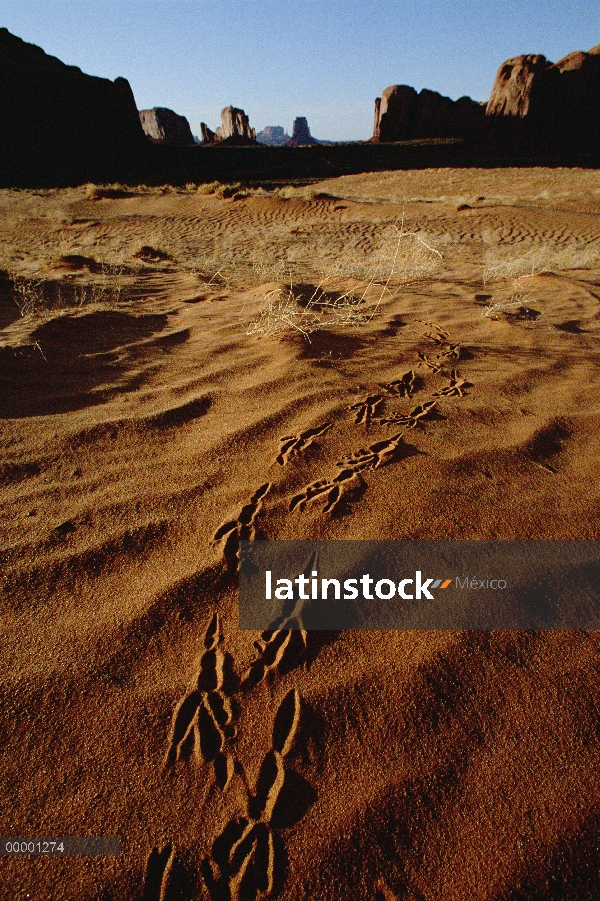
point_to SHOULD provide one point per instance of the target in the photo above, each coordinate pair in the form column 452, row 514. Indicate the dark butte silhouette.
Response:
column 54, row 118
column 59, row 126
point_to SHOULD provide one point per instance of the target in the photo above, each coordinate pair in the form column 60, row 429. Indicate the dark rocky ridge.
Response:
column 535, row 106
column 54, row 116
column 166, row 127
column 403, row 115
column 545, row 103
column 60, row 127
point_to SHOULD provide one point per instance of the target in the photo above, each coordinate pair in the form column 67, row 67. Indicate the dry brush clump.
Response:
column 512, row 309
column 402, row 257
column 285, row 309
column 38, row 287
column 108, row 192
column 506, row 272
column 36, row 296
column 235, row 190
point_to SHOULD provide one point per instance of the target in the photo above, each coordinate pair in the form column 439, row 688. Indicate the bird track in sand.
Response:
column 243, row 861
column 292, row 445
column 242, row 528
column 373, row 457
column 201, row 726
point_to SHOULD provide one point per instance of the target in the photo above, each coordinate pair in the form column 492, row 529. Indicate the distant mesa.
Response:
column 300, row 134
column 235, row 129
column 163, row 126
column 54, row 118
column 402, row 114
column 272, row 136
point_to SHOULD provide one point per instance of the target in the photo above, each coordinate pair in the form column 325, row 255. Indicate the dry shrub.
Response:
column 36, row 296
column 28, row 294
column 503, row 266
column 512, row 309
column 402, row 256
column 285, row 193
column 106, row 192
column 235, row 191
column 208, row 187
column 285, row 308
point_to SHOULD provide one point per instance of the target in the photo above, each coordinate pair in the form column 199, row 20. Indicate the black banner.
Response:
column 531, row 585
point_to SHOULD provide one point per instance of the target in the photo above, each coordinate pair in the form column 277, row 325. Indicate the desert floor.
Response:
column 151, row 361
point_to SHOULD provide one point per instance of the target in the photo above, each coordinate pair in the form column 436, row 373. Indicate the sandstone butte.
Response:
column 54, row 114
column 163, row 126
column 402, row 114
column 272, row 135
column 300, row 133
column 235, row 128
column 531, row 98
column 555, row 104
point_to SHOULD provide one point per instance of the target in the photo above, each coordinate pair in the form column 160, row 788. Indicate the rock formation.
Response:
column 535, row 106
column 539, row 101
column 235, row 124
column 208, row 136
column 235, row 129
column 516, row 84
column 163, row 126
column 56, row 123
column 401, row 115
column 272, row 135
column 300, row 134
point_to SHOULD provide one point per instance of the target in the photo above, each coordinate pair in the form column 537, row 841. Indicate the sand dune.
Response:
column 144, row 432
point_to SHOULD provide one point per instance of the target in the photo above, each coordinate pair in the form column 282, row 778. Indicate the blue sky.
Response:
column 277, row 59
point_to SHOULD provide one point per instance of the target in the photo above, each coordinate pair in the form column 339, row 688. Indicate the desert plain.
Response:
column 181, row 367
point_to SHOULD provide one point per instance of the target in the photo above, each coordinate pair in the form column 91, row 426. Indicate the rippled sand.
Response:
column 144, row 431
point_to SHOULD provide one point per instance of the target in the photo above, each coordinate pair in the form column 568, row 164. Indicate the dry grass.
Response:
column 37, row 296
column 504, row 262
column 38, row 286
column 506, row 308
column 402, row 257
column 107, row 192
column 506, row 272
column 208, row 188
column 312, row 262
column 285, row 309
column 235, row 190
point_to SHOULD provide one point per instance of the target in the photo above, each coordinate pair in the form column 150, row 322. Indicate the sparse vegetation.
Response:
column 283, row 309
column 35, row 296
column 514, row 308
column 403, row 256
column 502, row 265
column 208, row 187
column 107, row 192
column 235, row 190
column 502, row 262
column 316, row 274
